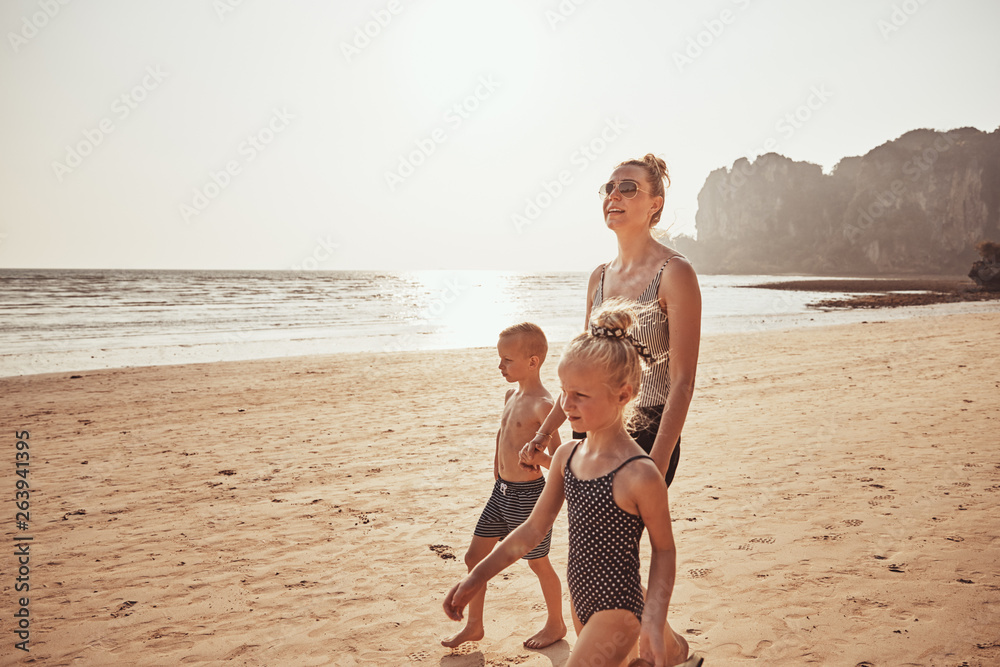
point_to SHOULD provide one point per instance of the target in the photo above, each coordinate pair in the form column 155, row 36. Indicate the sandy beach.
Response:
column 837, row 503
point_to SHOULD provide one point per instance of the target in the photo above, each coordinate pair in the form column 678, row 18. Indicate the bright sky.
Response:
column 406, row 134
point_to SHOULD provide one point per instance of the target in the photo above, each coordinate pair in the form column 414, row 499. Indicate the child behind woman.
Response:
column 613, row 492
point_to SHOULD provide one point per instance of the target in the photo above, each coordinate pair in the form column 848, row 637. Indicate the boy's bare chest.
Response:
column 517, row 418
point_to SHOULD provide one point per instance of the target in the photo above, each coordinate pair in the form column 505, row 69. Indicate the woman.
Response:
column 649, row 272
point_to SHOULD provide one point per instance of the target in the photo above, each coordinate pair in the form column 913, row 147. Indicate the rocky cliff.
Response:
column 918, row 204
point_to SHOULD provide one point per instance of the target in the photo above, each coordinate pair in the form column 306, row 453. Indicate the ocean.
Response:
column 75, row 320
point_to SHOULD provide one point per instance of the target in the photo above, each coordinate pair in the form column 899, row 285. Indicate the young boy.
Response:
column 522, row 350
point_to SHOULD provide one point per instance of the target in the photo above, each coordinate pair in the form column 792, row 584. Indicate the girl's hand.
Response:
column 458, row 597
column 652, row 648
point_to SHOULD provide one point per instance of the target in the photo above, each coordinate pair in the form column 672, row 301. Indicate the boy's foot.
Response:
column 466, row 635
column 546, row 636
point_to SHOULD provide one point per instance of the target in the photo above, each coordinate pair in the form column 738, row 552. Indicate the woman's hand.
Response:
column 652, row 648
column 533, row 454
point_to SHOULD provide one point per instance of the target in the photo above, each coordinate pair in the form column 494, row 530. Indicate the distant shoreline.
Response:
column 887, row 292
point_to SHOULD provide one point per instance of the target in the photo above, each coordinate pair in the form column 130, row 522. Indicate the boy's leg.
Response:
column 473, row 630
column 555, row 628
column 605, row 639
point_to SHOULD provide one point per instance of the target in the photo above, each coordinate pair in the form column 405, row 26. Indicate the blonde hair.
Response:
column 531, row 338
column 614, row 355
column 656, row 174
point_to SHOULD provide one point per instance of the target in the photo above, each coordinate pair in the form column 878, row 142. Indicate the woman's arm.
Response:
column 556, row 416
column 681, row 296
column 595, row 280
column 650, row 495
column 522, row 540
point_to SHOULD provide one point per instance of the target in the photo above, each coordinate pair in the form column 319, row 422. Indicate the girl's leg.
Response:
column 605, row 640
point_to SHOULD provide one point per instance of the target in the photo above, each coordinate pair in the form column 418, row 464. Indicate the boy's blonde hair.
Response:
column 608, row 345
column 531, row 337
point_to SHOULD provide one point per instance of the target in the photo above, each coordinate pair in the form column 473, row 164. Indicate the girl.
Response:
column 613, row 491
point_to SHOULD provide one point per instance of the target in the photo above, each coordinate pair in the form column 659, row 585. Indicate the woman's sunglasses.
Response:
column 626, row 188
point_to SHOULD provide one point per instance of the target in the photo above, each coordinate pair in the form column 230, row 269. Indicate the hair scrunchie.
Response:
column 616, row 332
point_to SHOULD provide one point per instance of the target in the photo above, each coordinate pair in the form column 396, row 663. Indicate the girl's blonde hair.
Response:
column 610, row 346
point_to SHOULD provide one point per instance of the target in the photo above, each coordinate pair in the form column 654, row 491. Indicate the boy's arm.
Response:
column 522, row 540
column 496, row 452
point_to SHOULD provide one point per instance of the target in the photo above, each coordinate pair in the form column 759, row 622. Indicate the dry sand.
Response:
column 836, row 504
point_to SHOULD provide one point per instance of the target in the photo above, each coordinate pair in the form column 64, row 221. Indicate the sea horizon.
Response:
column 61, row 320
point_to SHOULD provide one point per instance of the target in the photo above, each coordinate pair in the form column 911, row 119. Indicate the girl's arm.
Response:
column 524, row 538
column 650, row 495
column 679, row 290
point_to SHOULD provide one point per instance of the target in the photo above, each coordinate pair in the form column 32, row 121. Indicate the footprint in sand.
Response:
column 962, row 484
column 762, row 540
column 442, row 550
column 466, row 649
column 121, row 610
column 697, row 574
column 745, row 547
column 853, row 522
column 419, row 656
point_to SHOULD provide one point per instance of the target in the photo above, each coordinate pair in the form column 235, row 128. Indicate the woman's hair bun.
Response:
column 657, row 166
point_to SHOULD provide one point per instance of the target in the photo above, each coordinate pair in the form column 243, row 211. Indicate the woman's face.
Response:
column 620, row 212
